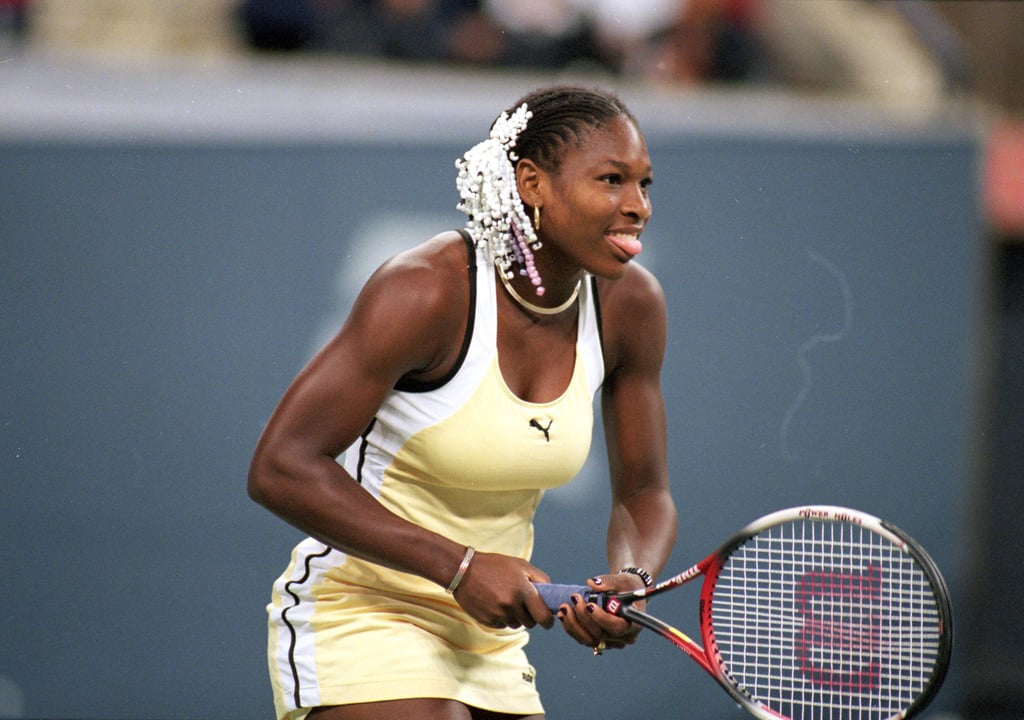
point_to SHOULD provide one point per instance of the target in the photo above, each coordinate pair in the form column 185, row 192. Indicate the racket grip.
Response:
column 557, row 595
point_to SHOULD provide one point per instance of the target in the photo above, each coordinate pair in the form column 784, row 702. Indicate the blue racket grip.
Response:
column 557, row 595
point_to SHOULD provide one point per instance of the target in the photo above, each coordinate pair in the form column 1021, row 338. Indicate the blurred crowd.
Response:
column 686, row 40
column 904, row 52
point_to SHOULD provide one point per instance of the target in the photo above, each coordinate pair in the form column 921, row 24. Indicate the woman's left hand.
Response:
column 590, row 625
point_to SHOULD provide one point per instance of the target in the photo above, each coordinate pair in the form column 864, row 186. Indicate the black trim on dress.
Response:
column 297, row 695
column 418, row 386
column 362, row 450
column 597, row 312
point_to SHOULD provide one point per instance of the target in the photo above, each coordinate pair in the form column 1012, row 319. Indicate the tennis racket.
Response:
column 810, row 613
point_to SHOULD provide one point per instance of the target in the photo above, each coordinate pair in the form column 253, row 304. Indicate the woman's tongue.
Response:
column 629, row 244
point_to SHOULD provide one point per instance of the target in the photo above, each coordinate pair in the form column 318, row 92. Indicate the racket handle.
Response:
column 557, row 595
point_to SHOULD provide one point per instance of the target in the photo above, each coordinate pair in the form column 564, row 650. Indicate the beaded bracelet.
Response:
column 640, row 573
column 454, row 584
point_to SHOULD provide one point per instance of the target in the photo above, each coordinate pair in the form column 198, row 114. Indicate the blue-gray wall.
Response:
column 156, row 297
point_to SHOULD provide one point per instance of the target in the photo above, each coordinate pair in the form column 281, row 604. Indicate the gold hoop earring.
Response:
column 536, row 218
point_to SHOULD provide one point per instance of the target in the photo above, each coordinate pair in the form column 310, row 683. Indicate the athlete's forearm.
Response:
column 322, row 500
column 642, row 530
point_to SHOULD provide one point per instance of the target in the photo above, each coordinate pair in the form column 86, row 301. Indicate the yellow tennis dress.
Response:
column 463, row 457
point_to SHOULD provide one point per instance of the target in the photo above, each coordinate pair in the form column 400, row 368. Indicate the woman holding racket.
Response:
column 460, row 388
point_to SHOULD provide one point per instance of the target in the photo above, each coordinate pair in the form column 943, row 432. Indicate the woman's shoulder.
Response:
column 422, row 287
column 413, row 308
column 441, row 255
column 636, row 291
column 428, row 273
column 633, row 318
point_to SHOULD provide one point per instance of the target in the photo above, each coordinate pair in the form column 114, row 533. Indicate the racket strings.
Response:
column 826, row 620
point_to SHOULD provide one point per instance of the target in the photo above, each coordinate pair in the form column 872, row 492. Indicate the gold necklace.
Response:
column 537, row 308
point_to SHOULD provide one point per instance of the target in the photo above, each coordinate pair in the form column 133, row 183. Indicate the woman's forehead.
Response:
column 618, row 140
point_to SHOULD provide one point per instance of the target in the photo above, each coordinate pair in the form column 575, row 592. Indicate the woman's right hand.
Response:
column 498, row 592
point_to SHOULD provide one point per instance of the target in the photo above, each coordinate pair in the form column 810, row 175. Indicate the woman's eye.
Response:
column 612, row 179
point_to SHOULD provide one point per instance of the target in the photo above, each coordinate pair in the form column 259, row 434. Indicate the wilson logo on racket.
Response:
column 841, row 614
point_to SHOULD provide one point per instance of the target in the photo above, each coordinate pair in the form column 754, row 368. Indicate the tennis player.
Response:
column 459, row 389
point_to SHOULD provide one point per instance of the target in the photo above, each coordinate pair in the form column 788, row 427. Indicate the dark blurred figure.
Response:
column 710, row 41
column 543, row 34
column 443, row 30
column 278, row 24
column 14, row 19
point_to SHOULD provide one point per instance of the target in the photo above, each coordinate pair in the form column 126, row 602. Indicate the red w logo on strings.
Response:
column 839, row 644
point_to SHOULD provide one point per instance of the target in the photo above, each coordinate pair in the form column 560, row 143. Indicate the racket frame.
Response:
column 706, row 656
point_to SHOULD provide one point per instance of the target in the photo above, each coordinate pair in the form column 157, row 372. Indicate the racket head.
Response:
column 826, row 612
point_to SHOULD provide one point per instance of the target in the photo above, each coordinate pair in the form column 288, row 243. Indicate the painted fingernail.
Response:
column 576, row 599
column 590, row 609
column 597, row 581
column 561, row 615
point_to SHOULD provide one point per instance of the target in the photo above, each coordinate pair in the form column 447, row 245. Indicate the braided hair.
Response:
column 540, row 126
column 561, row 117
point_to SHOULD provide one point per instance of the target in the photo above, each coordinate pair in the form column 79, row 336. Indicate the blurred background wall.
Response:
column 194, row 191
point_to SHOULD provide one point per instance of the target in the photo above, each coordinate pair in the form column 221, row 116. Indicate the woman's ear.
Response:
column 530, row 182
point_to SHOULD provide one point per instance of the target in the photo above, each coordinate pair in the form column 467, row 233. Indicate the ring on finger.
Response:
column 600, row 647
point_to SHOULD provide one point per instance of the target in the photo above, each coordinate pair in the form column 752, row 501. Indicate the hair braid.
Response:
column 561, row 117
